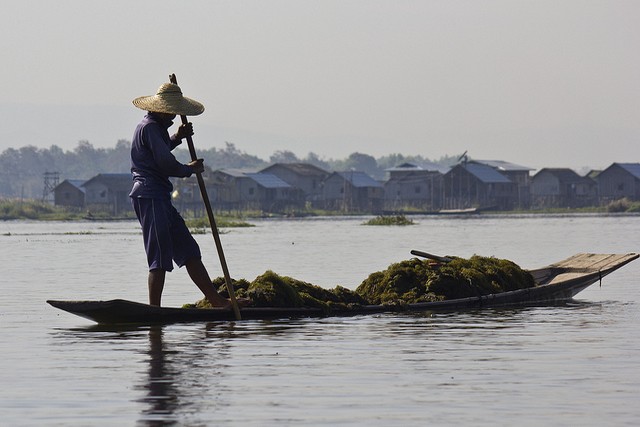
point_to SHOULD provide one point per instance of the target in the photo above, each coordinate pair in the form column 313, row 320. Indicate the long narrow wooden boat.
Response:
column 555, row 283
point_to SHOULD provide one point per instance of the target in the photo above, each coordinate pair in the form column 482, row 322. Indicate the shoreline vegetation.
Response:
column 43, row 211
column 35, row 210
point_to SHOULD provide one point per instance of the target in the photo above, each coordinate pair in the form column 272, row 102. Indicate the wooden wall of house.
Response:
column 616, row 183
column 66, row 194
column 545, row 185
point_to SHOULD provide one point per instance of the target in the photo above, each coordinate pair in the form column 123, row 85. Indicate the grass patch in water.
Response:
column 222, row 222
column 389, row 220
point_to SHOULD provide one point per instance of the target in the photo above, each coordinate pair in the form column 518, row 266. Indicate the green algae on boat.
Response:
column 462, row 278
column 406, row 282
column 272, row 290
column 402, row 282
column 416, row 280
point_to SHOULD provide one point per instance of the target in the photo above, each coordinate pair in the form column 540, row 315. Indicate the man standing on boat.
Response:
column 166, row 237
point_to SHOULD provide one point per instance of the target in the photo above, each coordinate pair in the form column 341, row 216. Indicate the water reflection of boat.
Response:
column 557, row 282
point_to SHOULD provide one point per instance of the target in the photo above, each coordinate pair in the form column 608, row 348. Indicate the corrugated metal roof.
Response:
column 486, row 174
column 76, row 183
column 268, row 180
column 502, row 165
column 632, row 168
column 564, row 175
column 404, row 167
column 236, row 173
column 305, row 169
column 422, row 166
column 359, row 179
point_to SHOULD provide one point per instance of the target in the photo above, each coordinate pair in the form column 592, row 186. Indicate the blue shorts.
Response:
column 166, row 237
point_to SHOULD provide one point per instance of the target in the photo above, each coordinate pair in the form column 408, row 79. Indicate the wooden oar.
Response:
column 212, row 221
column 431, row 256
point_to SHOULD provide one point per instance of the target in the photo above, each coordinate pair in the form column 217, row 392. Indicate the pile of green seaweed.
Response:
column 272, row 290
column 416, row 280
column 406, row 282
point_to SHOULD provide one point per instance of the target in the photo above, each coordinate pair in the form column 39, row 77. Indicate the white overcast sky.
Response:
column 539, row 83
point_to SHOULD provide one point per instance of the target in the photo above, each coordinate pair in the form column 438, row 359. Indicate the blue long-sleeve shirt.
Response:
column 152, row 162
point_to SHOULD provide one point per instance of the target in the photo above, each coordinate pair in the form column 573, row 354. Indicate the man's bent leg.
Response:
column 156, row 285
column 200, row 277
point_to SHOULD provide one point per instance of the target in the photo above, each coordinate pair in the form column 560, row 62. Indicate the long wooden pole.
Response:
column 212, row 221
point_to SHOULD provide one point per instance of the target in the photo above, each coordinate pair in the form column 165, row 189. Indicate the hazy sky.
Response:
column 539, row 83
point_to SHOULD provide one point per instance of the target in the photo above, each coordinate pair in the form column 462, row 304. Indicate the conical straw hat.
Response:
column 169, row 100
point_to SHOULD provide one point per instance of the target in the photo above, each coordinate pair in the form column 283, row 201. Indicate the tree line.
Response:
column 23, row 169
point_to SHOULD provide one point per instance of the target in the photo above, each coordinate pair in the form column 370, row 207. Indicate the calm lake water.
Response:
column 577, row 364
